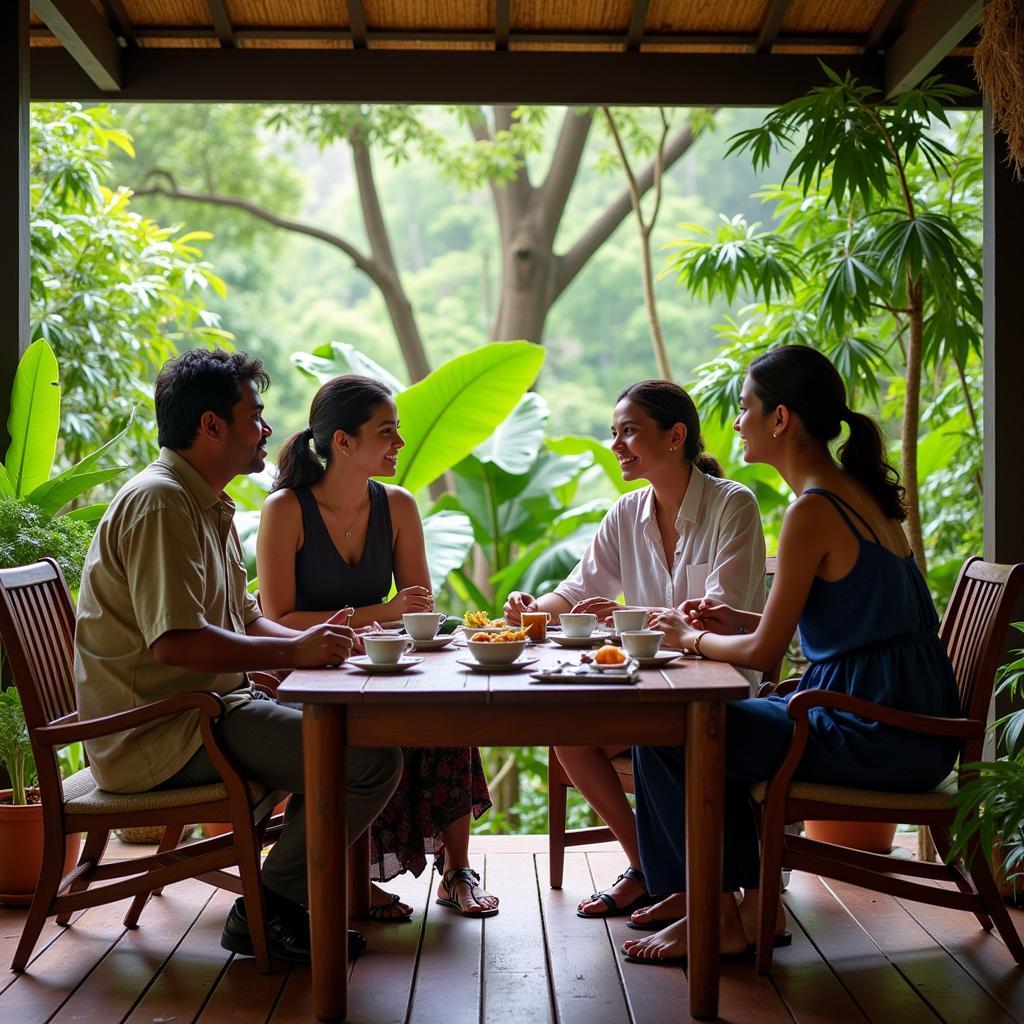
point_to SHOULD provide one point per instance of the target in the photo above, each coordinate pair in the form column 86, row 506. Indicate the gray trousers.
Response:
column 264, row 739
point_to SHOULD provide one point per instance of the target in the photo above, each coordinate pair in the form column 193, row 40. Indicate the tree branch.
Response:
column 572, row 262
column 554, row 193
column 171, row 191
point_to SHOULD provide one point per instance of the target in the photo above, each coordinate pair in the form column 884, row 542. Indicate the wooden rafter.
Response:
column 86, row 37
column 637, row 22
column 934, row 31
column 222, row 23
column 357, row 23
column 774, row 12
column 501, row 24
column 887, row 24
column 119, row 16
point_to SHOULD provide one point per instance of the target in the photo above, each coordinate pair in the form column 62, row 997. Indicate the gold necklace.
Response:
column 334, row 515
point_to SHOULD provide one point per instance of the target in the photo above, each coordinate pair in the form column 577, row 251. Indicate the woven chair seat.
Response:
column 936, row 800
column 623, row 764
column 83, row 796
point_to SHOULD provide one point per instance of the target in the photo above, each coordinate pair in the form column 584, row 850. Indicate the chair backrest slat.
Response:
column 974, row 632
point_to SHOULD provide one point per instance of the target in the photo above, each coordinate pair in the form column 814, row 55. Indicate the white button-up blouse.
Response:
column 720, row 552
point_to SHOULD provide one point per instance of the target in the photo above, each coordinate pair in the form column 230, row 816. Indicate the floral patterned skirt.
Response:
column 439, row 785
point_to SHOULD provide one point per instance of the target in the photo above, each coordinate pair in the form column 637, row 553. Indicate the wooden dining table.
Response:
column 441, row 703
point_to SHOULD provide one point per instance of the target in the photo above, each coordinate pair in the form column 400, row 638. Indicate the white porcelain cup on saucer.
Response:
column 630, row 620
column 386, row 650
column 423, row 625
column 578, row 625
column 641, row 643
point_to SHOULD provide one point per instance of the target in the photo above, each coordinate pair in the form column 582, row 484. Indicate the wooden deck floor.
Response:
column 856, row 956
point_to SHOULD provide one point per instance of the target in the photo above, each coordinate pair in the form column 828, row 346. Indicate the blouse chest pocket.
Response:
column 697, row 579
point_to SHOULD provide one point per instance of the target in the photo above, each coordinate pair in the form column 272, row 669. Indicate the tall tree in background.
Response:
column 501, row 145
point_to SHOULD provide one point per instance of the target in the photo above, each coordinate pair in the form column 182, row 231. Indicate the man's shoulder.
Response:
column 155, row 488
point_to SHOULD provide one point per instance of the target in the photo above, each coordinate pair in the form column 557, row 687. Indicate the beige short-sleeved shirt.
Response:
column 165, row 556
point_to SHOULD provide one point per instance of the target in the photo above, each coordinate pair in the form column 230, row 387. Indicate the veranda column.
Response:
column 14, row 207
column 1003, row 360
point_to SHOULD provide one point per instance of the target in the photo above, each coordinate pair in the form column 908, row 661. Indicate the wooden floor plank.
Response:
column 880, row 991
column 121, row 977
column 12, row 921
column 515, row 978
column 448, row 970
column 54, row 974
column 186, row 980
column 950, row 991
column 585, row 975
column 978, row 952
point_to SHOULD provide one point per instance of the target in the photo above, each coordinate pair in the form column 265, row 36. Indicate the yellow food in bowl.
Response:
column 478, row 619
column 609, row 655
column 510, row 636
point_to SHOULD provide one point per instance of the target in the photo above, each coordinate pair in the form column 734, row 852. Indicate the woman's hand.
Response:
column 714, row 616
column 678, row 630
column 517, row 603
column 602, row 607
column 411, row 599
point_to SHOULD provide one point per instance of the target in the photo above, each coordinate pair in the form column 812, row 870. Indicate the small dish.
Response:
column 574, row 675
column 661, row 658
column 363, row 663
column 580, row 642
column 515, row 666
column 435, row 644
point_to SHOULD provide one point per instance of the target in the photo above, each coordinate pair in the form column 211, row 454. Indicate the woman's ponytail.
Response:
column 862, row 455
column 297, row 464
column 808, row 385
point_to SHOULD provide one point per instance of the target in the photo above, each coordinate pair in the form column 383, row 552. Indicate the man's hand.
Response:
column 602, row 607
column 330, row 643
column 517, row 603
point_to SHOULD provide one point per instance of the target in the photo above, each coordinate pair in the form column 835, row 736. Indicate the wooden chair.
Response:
column 559, row 783
column 974, row 630
column 37, row 621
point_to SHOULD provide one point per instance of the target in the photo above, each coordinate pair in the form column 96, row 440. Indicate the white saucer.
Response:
column 515, row 666
column 661, row 658
column 579, row 641
column 363, row 663
column 434, row 644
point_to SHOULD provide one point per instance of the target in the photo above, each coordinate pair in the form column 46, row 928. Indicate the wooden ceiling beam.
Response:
column 637, row 23
column 464, row 76
column 357, row 23
column 502, row 24
column 86, row 38
column 773, row 15
column 222, row 23
column 935, row 30
column 119, row 16
column 887, row 24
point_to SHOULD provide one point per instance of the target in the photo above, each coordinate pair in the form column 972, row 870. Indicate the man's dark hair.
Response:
column 201, row 381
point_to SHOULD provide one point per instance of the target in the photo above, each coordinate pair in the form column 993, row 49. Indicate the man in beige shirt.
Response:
column 163, row 610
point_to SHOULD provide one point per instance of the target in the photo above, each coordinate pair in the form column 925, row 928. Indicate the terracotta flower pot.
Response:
column 871, row 836
column 21, row 850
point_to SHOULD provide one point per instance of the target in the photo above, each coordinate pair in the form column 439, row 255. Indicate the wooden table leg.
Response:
column 359, row 879
column 705, row 777
column 323, row 740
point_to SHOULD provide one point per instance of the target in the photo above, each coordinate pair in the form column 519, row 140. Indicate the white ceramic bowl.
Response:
column 496, row 654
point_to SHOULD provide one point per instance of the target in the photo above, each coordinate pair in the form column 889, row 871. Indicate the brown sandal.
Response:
column 390, row 912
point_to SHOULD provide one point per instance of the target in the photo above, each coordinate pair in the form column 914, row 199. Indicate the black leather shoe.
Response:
column 356, row 944
column 287, row 935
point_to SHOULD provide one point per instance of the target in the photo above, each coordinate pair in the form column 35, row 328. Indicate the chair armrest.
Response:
column 71, row 732
column 780, row 689
column 265, row 682
column 961, row 728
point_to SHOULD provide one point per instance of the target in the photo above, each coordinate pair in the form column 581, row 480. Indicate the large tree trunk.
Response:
column 911, row 423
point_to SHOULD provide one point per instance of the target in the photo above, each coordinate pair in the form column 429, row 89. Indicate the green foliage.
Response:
column 26, row 535
column 113, row 292
column 15, row 750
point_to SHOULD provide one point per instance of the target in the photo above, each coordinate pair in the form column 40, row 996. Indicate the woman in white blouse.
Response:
column 689, row 534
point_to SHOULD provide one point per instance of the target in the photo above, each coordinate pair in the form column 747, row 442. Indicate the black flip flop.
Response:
column 612, row 909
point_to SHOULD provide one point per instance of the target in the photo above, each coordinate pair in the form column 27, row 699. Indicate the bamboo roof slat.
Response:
column 288, row 13
column 695, row 48
column 701, row 16
column 186, row 43
column 244, row 43
column 168, row 12
column 578, row 15
column 412, row 44
column 468, row 15
column 831, row 16
column 817, row 49
column 567, row 47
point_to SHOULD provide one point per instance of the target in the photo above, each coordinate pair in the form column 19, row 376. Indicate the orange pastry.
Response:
column 609, row 655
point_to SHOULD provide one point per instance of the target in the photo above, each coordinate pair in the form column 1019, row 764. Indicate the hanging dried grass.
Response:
column 999, row 65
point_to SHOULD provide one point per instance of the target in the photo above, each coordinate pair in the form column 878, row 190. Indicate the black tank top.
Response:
column 324, row 581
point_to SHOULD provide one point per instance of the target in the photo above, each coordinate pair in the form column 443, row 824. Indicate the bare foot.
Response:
column 748, row 916
column 624, row 891
column 392, row 909
column 671, row 940
column 665, row 911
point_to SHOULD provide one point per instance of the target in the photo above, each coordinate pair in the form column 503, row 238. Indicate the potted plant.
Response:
column 990, row 808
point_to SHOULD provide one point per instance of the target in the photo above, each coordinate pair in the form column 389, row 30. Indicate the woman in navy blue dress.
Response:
column 845, row 575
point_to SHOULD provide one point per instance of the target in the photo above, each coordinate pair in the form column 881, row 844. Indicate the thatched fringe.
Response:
column 999, row 65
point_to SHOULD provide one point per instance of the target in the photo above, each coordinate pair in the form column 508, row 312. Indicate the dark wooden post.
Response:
column 14, row 212
column 1003, row 361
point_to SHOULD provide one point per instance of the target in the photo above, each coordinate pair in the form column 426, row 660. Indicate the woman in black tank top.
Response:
column 332, row 537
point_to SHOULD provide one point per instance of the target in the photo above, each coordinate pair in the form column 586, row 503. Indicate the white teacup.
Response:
column 423, row 625
column 578, row 625
column 386, row 650
column 629, row 620
column 641, row 643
